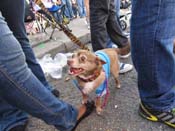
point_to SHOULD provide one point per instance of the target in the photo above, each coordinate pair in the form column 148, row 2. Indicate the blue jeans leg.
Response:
column 75, row 11
column 21, row 89
column 152, row 34
column 10, row 116
column 81, row 8
column 68, row 9
column 69, row 6
column 14, row 16
column 57, row 16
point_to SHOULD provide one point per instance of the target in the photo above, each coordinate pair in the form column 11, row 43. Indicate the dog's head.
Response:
column 84, row 63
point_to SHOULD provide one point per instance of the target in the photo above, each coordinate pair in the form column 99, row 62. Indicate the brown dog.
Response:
column 88, row 68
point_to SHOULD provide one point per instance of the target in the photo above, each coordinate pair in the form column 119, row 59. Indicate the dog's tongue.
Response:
column 74, row 71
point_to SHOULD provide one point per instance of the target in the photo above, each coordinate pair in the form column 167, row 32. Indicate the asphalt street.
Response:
column 121, row 111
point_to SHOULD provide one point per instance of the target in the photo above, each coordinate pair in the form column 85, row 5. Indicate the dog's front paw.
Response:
column 99, row 110
column 118, row 86
column 84, row 101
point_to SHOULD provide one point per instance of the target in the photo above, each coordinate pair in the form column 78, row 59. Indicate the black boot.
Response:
column 56, row 93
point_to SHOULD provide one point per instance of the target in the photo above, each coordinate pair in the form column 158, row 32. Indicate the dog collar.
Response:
column 90, row 78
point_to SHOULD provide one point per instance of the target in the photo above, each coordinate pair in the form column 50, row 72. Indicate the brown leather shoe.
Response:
column 56, row 93
column 125, row 50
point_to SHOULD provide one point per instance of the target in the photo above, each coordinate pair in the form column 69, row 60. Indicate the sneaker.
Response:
column 88, row 27
column 114, row 46
column 87, row 23
column 125, row 68
column 167, row 118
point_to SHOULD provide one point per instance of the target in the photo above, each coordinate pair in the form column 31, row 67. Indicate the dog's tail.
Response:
column 124, row 50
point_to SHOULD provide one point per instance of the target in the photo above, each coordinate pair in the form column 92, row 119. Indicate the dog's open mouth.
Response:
column 75, row 71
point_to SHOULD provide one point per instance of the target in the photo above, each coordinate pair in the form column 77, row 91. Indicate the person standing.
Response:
column 81, row 8
column 68, row 9
column 152, row 35
column 110, row 44
column 86, row 2
column 23, row 85
column 104, row 23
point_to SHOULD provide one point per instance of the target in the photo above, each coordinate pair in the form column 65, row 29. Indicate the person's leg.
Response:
column 74, row 8
column 81, row 8
column 13, row 11
column 56, row 15
column 66, row 10
column 152, row 35
column 117, row 6
column 86, row 3
column 11, row 116
column 114, row 29
column 69, row 6
column 98, row 19
column 20, row 88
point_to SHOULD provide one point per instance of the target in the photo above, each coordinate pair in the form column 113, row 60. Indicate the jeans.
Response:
column 14, row 16
column 20, row 89
column 68, row 9
column 152, row 35
column 21, row 77
column 57, row 16
column 117, row 6
column 75, row 10
column 81, row 8
column 103, row 21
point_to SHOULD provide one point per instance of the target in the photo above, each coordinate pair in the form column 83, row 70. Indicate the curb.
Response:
column 56, row 46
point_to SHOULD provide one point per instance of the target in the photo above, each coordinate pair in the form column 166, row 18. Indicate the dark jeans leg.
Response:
column 98, row 18
column 114, row 29
column 115, row 32
column 102, row 21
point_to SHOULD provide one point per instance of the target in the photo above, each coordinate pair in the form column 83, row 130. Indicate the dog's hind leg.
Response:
column 115, row 73
column 98, row 105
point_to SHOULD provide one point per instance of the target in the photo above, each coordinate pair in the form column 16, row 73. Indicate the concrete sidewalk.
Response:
column 60, row 43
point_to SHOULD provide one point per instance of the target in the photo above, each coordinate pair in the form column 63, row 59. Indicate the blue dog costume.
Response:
column 102, row 89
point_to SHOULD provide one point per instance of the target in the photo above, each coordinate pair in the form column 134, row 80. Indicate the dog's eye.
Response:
column 82, row 58
column 73, row 55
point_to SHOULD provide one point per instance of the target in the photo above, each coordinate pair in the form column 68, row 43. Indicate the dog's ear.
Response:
column 100, row 60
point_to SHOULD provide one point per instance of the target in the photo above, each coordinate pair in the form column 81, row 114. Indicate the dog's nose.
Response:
column 69, row 62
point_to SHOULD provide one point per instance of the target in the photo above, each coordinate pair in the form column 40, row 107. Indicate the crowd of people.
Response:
column 24, row 89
